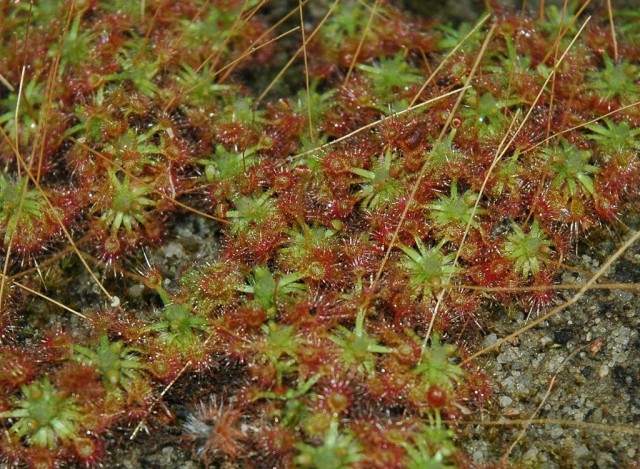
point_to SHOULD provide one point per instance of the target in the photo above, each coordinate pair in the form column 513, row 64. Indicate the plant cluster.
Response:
column 362, row 219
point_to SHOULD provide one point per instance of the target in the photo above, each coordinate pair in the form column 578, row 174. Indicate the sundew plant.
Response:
column 313, row 233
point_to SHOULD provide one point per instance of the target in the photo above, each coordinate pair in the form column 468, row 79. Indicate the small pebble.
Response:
column 603, row 371
column 489, row 340
column 505, row 401
column 581, row 452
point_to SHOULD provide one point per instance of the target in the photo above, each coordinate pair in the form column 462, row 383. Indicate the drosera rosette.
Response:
column 616, row 81
column 117, row 364
column 337, row 449
column 617, row 144
column 266, row 290
column 212, row 285
column 452, row 214
column 216, row 431
column 393, row 82
column 438, row 377
column 528, row 250
column 126, row 215
column 571, row 181
column 378, row 186
column 45, row 423
column 27, row 222
column 18, row 366
column 124, row 375
column 427, row 268
column 179, row 329
column 359, row 350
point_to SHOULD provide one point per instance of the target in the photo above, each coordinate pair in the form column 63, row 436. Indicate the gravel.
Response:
column 591, row 354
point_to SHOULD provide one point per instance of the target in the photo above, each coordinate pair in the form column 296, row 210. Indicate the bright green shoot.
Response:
column 281, row 348
column 116, row 363
column 179, row 327
column 44, row 417
column 444, row 152
column 267, row 289
column 242, row 111
column 390, row 76
column 347, row 21
column 128, row 206
column 617, row 80
column 488, row 113
column 137, row 68
column 339, row 450
column 301, row 245
column 571, row 168
column 435, row 367
column 615, row 138
column 225, row 165
column 456, row 209
column 432, row 448
column 358, row 348
column 28, row 111
column 18, row 206
column 252, row 211
column 428, row 269
column 199, row 86
column 316, row 103
column 135, row 151
column 527, row 249
column 378, row 186
column 75, row 47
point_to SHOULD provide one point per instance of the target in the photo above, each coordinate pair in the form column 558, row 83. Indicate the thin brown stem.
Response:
column 306, row 70
column 614, row 41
